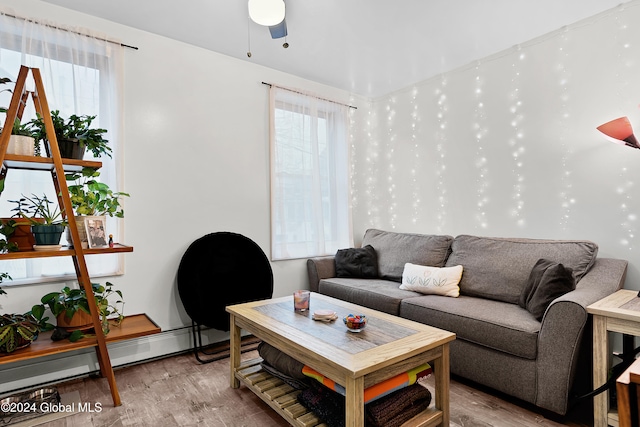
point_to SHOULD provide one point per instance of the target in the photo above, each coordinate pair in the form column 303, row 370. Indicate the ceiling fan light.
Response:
column 266, row 12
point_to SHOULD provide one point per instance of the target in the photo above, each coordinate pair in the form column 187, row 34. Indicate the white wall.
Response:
column 196, row 162
column 427, row 159
column 445, row 156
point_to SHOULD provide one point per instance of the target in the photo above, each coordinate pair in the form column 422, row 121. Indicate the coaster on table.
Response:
column 325, row 315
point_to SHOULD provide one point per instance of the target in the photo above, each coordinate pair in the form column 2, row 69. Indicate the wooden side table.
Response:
column 619, row 312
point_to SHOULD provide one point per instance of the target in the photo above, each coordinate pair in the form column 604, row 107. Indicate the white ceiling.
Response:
column 368, row 47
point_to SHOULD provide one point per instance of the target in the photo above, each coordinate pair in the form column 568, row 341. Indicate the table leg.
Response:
column 354, row 402
column 234, row 350
column 600, row 369
column 442, row 378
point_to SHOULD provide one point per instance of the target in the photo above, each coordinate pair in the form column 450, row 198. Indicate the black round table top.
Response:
column 221, row 269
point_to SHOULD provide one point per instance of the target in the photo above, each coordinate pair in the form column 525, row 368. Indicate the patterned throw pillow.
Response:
column 432, row 280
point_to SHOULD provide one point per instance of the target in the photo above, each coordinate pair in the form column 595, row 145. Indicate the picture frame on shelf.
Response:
column 96, row 231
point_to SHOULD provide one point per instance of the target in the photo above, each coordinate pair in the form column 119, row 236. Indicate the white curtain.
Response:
column 310, row 188
column 82, row 75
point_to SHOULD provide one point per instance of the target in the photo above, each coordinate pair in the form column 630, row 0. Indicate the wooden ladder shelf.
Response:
column 138, row 325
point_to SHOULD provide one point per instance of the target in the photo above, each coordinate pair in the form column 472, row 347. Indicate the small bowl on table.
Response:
column 355, row 322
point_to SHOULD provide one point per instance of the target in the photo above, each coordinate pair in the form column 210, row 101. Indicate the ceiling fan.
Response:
column 270, row 13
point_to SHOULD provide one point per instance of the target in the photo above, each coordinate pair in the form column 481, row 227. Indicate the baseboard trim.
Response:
column 61, row 367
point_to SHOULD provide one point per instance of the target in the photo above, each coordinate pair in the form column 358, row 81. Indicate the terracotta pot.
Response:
column 80, row 321
column 22, row 236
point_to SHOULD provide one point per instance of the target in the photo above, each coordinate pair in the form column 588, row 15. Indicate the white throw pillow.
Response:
column 432, row 280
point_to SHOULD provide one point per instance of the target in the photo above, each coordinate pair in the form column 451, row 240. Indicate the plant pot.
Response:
column 22, row 236
column 80, row 321
column 47, row 234
column 21, row 145
column 71, row 149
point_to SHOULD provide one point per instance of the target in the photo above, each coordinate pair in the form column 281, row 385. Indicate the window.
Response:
column 81, row 76
column 310, row 212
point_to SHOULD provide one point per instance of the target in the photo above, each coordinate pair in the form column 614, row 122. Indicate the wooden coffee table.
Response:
column 388, row 346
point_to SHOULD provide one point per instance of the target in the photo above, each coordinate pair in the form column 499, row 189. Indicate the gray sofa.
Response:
column 498, row 343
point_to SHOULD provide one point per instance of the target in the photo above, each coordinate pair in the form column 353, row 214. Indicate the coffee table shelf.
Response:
column 283, row 399
column 387, row 347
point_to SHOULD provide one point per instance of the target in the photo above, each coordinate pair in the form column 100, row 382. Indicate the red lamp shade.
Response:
column 620, row 131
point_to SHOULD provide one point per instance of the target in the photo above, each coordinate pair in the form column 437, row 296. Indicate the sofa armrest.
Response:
column 319, row 268
column 562, row 330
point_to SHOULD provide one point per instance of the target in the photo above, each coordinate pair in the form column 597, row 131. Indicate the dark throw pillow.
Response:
column 548, row 280
column 280, row 361
column 357, row 262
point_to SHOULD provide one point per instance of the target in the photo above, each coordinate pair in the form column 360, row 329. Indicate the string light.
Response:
column 391, row 142
column 441, row 142
column 371, row 183
column 516, row 140
column 482, row 163
column 353, row 155
column 415, row 185
column 566, row 186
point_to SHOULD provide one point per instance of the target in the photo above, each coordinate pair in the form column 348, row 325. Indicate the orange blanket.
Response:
column 378, row 390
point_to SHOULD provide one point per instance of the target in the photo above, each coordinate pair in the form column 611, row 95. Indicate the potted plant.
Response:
column 19, row 330
column 74, row 135
column 71, row 309
column 47, row 224
column 90, row 197
column 21, row 141
column 17, row 229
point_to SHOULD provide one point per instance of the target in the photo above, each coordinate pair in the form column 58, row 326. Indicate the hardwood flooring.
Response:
column 180, row 391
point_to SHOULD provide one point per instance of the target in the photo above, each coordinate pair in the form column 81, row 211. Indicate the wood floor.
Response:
column 179, row 391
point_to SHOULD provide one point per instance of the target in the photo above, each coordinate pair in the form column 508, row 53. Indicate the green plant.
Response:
column 75, row 128
column 18, row 128
column 4, row 81
column 8, row 227
column 91, row 197
column 24, row 129
column 18, row 330
column 68, row 301
column 7, row 247
column 2, row 277
column 37, row 210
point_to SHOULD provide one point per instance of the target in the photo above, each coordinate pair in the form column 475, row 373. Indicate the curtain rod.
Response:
column 324, row 99
column 69, row 31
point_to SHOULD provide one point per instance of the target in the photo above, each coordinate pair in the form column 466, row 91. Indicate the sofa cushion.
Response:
column 501, row 326
column 498, row 268
column 394, row 250
column 382, row 295
column 432, row 280
column 548, row 281
column 357, row 262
